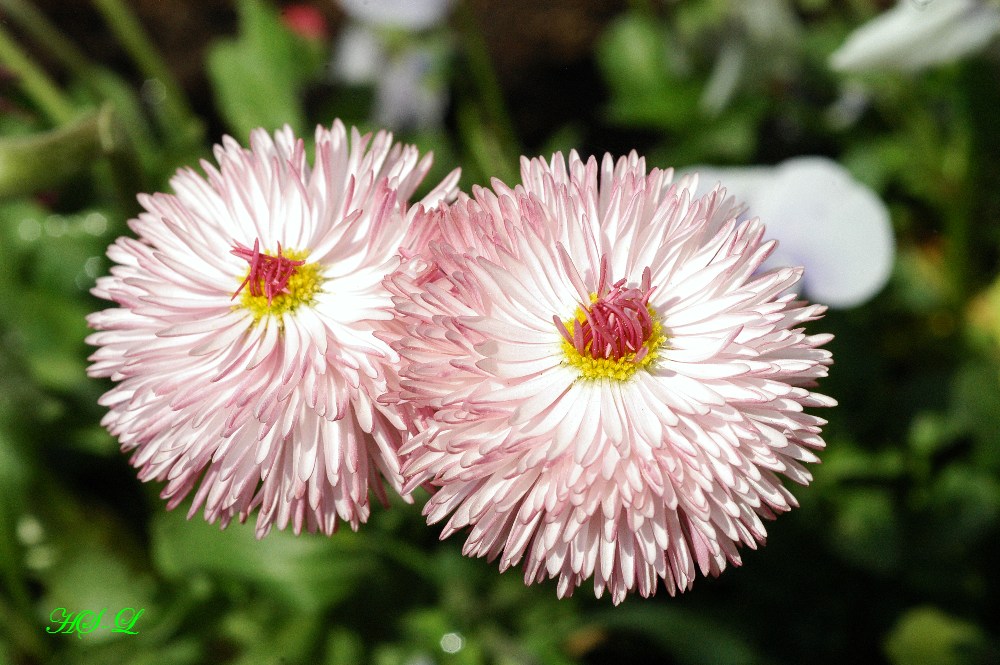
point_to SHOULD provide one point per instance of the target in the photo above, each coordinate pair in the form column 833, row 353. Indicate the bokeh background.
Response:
column 892, row 556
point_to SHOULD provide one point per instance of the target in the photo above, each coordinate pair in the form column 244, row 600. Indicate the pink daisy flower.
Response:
column 602, row 381
column 243, row 345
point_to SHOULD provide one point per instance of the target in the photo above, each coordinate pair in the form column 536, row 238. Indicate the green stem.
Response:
column 485, row 80
column 46, row 36
column 484, row 146
column 136, row 41
column 35, row 82
column 47, row 159
column 18, row 617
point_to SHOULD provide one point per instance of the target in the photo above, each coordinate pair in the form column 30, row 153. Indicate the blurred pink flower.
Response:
column 243, row 345
column 600, row 382
column 306, row 21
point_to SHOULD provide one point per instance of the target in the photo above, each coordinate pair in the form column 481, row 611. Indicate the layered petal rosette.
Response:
column 243, row 345
column 602, row 380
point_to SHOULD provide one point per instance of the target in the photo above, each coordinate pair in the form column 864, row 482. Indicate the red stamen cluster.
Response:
column 268, row 274
column 617, row 323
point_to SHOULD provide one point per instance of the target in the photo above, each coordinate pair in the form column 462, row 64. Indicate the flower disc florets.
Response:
column 276, row 285
column 615, row 334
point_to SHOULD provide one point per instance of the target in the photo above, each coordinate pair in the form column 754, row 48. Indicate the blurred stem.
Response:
column 24, row 634
column 955, row 167
column 484, row 146
column 487, row 85
column 642, row 7
column 19, row 617
column 33, row 163
column 140, row 47
column 46, row 36
column 11, row 557
column 956, row 230
column 35, row 82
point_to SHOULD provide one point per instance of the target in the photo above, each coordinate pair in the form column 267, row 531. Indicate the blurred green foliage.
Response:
column 892, row 554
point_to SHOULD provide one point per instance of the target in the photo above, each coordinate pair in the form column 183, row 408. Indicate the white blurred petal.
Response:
column 406, row 95
column 823, row 219
column 405, row 14
column 769, row 21
column 914, row 35
column 359, row 55
column 725, row 77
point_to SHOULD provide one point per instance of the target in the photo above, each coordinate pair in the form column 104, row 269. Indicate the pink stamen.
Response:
column 617, row 323
column 268, row 274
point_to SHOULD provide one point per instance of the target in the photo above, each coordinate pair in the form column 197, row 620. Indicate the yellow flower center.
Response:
column 612, row 342
column 275, row 285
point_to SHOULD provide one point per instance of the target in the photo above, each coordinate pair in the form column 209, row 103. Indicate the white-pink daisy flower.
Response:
column 243, row 346
column 603, row 382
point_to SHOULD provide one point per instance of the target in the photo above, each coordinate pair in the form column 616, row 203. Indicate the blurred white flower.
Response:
column 407, row 94
column 403, row 14
column 914, row 35
column 359, row 55
column 823, row 219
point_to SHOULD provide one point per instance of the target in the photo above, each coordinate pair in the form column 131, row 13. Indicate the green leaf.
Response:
column 50, row 329
column 973, row 408
column 258, row 77
column 928, row 636
column 344, row 647
column 866, row 530
column 307, row 571
column 648, row 82
column 632, row 53
column 46, row 160
column 968, row 501
column 91, row 578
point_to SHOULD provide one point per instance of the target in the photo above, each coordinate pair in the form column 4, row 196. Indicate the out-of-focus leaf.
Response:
column 928, row 636
column 486, row 147
column 866, row 531
column 122, row 99
column 921, row 277
column 343, row 647
column 289, row 640
column 969, row 500
column 15, row 468
column 930, row 433
column 307, row 571
column 50, row 329
column 29, row 164
column 134, row 650
column 974, row 408
column 634, row 55
column 689, row 638
column 93, row 578
column 257, row 78
column 845, row 460
column 432, row 631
